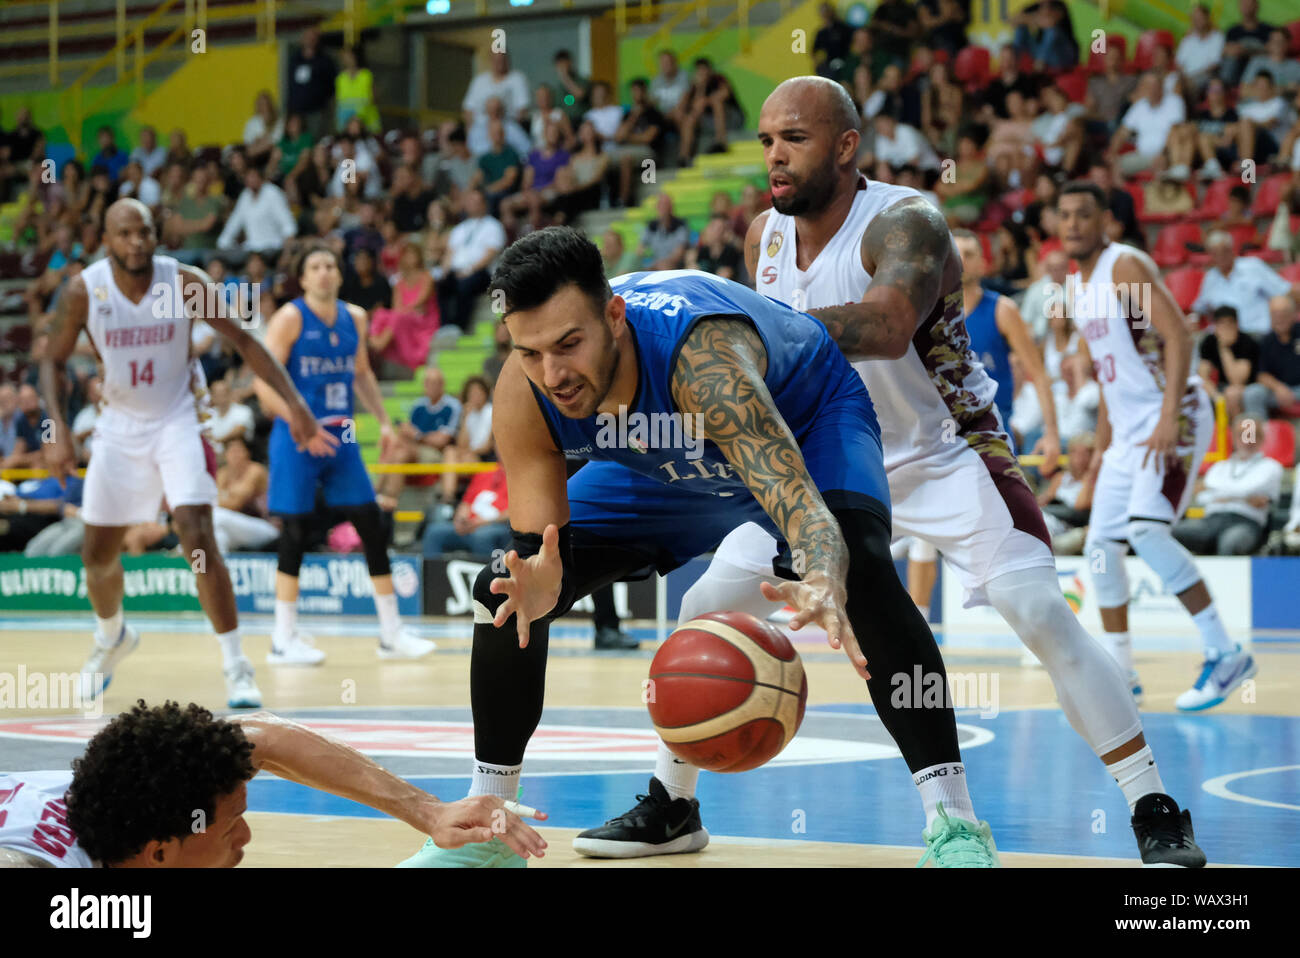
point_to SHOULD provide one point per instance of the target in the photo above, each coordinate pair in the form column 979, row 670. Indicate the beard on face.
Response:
column 144, row 270
column 812, row 194
column 598, row 388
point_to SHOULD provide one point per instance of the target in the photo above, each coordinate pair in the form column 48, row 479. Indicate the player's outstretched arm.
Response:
column 719, row 376
column 297, row 753
column 538, row 493
column 268, row 368
column 69, row 320
column 1136, row 272
column 908, row 251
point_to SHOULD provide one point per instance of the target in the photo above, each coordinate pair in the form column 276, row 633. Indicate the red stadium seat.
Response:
column 1074, row 84
column 1279, row 442
column 971, row 68
column 1097, row 61
column 1215, row 203
column 1171, row 249
column 1269, row 195
column 1290, row 272
column 1294, row 29
column 1185, row 285
column 1147, row 42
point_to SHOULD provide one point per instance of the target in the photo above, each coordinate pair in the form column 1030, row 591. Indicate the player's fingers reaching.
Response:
column 849, row 641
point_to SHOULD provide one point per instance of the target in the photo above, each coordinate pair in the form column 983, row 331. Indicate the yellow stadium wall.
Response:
column 211, row 96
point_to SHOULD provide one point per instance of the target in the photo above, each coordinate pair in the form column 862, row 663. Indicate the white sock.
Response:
column 389, row 621
column 676, row 776
column 1120, row 647
column 1213, row 634
column 109, row 630
column 944, row 783
column 1136, row 776
column 230, row 647
column 286, row 623
column 499, row 780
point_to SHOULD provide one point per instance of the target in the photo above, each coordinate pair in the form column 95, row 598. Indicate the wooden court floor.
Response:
column 185, row 667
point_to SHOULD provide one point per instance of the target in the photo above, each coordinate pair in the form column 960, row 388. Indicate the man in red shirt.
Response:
column 480, row 524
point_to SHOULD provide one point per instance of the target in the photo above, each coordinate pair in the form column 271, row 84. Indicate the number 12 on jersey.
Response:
column 142, row 375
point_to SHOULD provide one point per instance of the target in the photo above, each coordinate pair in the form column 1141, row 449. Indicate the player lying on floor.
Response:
column 166, row 787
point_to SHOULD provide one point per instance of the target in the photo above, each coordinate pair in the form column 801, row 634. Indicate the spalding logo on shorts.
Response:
column 729, row 692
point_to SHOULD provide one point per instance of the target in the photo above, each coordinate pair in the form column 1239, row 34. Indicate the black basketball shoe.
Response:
column 1164, row 834
column 658, row 825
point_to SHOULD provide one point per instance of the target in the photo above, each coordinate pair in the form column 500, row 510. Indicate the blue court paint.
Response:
column 1038, row 785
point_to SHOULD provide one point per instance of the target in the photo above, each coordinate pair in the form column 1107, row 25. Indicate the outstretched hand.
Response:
column 533, row 586
column 817, row 599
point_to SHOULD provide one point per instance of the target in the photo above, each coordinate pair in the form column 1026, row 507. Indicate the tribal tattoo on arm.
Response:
column 908, row 251
column 719, row 375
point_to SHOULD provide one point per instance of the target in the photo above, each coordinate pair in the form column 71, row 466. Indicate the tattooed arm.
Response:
column 719, row 375
column 908, row 251
column 69, row 320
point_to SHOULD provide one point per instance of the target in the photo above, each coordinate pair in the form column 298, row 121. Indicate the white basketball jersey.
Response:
column 144, row 347
column 33, row 818
column 1128, row 354
column 934, row 395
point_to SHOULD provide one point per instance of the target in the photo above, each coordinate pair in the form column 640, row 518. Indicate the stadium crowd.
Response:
column 1196, row 143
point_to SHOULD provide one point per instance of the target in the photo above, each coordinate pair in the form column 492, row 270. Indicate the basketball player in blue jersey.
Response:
column 996, row 332
column 773, row 426
column 322, row 342
column 877, row 265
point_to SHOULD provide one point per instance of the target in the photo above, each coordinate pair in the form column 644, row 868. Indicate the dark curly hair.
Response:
column 146, row 772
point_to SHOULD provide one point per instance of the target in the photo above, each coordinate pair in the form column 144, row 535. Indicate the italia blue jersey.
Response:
column 666, row 487
column 322, row 363
column 990, row 348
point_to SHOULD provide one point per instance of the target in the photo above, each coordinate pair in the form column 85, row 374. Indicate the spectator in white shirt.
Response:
column 1201, row 49
column 354, row 163
column 261, row 215
column 605, row 116
column 143, row 188
column 1045, row 297
column 1150, row 119
column 1246, row 283
column 479, row 140
column 1237, row 494
column 149, row 154
column 229, row 419
column 545, row 111
column 669, row 86
column 1266, row 114
column 263, row 130
column 510, row 86
column 898, row 144
column 473, row 244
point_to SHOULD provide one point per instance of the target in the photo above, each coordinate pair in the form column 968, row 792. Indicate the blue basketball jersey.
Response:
column 814, row 386
column 322, row 363
column 991, row 349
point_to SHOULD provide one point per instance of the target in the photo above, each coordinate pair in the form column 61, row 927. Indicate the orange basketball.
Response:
column 727, row 692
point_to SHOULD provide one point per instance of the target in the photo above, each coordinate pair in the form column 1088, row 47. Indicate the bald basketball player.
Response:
column 877, row 264
column 137, row 309
column 166, row 787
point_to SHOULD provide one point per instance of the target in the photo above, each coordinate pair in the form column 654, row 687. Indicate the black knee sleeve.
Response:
column 896, row 640
column 369, row 523
column 507, row 684
column 293, row 543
